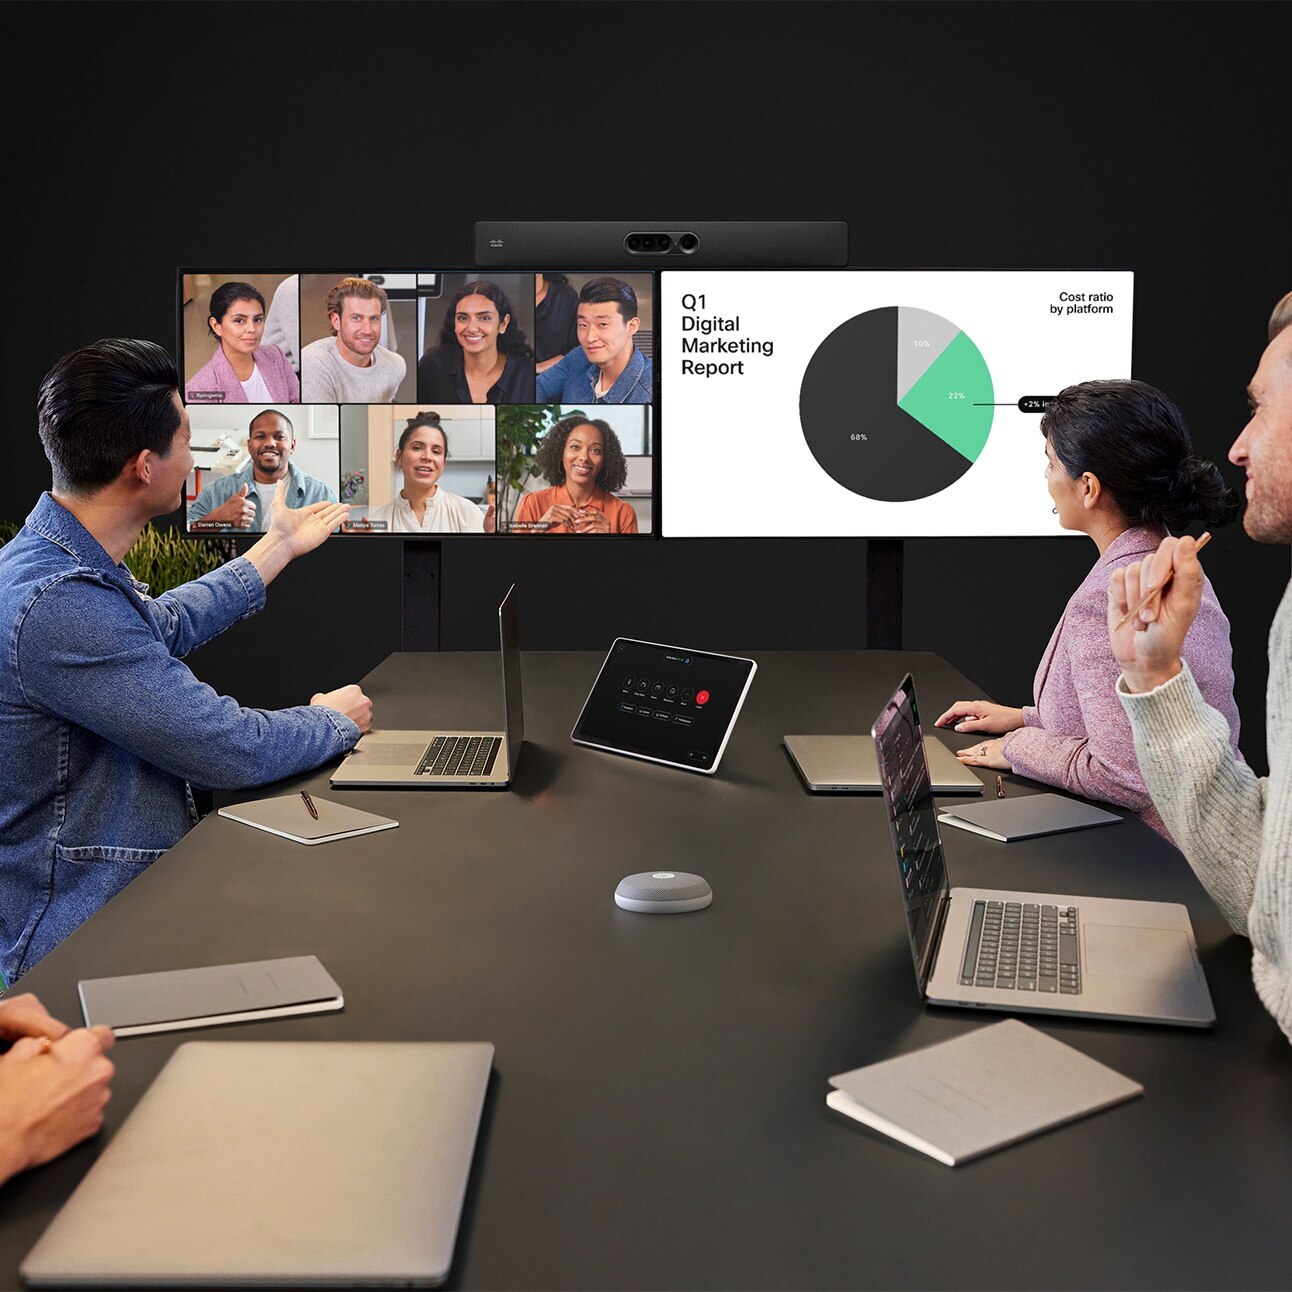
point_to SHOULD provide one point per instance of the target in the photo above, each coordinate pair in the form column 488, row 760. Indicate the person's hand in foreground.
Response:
column 990, row 753
column 302, row 529
column 1148, row 647
column 351, row 701
column 24, row 1015
column 981, row 715
column 53, row 1085
column 293, row 531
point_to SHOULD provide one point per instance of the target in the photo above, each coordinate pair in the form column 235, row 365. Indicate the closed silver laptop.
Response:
column 464, row 760
column 1024, row 952
column 272, row 1164
column 849, row 765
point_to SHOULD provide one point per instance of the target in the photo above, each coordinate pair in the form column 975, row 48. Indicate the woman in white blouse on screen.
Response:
column 423, row 505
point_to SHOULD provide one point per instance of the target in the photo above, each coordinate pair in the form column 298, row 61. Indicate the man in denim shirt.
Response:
column 241, row 501
column 607, row 368
column 102, row 728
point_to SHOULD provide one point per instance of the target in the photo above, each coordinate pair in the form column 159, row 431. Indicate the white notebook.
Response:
column 979, row 1092
column 289, row 818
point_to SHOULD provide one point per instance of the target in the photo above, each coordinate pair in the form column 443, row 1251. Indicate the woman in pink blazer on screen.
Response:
column 1120, row 468
column 242, row 371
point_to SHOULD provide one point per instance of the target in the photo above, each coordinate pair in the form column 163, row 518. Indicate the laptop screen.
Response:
column 912, row 821
column 513, row 705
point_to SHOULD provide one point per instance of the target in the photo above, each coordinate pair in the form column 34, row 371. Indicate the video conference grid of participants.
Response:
column 528, row 409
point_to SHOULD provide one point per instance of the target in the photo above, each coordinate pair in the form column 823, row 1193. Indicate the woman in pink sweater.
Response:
column 242, row 370
column 1120, row 469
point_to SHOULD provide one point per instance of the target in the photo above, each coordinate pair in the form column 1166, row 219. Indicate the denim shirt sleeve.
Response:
column 87, row 654
column 550, row 384
column 191, row 615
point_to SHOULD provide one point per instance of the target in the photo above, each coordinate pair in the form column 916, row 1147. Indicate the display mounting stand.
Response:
column 420, row 595
column 885, row 572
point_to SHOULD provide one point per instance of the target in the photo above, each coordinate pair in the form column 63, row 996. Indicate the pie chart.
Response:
column 896, row 404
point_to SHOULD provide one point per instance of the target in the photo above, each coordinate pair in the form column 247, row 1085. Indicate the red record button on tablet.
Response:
column 702, row 697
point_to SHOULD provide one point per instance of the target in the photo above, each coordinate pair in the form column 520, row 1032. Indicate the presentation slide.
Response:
column 874, row 404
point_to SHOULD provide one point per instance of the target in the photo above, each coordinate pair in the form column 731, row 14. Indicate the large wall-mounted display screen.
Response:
column 684, row 403
column 874, row 404
column 434, row 402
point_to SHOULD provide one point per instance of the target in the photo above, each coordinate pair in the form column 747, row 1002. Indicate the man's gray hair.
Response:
column 1281, row 317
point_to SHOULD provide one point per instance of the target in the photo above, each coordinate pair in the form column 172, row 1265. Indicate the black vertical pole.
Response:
column 421, row 595
column 884, row 575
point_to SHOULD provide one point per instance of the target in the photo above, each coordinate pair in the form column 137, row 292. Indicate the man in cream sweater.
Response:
column 1234, row 828
column 351, row 366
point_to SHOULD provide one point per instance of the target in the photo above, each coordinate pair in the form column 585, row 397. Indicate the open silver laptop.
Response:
column 279, row 1164
column 459, row 760
column 1026, row 952
column 848, row 765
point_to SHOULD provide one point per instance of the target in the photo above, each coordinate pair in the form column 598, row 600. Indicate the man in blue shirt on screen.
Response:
column 102, row 728
column 241, row 501
column 607, row 368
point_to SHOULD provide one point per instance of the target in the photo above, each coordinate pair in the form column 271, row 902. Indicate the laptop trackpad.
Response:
column 1119, row 951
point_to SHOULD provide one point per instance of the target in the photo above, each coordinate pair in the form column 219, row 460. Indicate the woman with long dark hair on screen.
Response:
column 1121, row 469
column 483, row 355
column 242, row 370
column 423, row 505
column 584, row 462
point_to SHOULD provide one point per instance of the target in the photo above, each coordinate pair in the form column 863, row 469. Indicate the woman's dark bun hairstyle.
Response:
column 1134, row 439
column 416, row 423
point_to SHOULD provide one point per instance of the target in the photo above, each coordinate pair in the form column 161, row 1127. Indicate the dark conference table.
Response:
column 657, row 1112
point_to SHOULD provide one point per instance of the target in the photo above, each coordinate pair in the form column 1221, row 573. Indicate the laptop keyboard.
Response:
column 1023, row 946
column 460, row 756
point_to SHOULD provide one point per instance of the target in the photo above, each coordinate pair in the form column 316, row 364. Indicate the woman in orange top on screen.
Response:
column 584, row 462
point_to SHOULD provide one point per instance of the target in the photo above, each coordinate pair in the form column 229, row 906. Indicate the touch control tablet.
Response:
column 665, row 704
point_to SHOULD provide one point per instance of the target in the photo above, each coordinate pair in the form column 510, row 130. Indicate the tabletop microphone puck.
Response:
column 663, row 892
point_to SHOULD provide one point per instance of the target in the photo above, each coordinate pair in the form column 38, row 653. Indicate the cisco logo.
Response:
column 495, row 242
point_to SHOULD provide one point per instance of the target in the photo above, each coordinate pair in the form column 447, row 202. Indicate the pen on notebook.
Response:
column 1000, row 787
column 1154, row 592
column 309, row 803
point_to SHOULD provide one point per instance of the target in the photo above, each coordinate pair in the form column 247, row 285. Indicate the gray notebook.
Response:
column 979, row 1092
column 289, row 818
column 1026, row 816
column 136, row 1004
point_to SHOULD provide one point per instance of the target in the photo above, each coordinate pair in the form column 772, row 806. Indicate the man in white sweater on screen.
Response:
column 1234, row 827
column 351, row 366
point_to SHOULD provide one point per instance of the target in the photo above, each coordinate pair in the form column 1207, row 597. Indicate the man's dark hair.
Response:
column 596, row 291
column 1134, row 439
column 548, row 458
column 512, row 341
column 224, row 296
column 271, row 412
column 101, row 405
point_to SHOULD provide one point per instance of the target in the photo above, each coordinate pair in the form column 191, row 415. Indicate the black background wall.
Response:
column 1144, row 136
